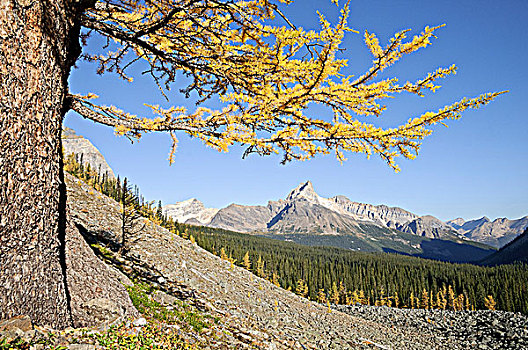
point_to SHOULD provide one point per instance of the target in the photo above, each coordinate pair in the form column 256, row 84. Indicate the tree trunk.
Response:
column 38, row 45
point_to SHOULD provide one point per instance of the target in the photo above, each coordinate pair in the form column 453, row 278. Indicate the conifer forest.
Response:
column 335, row 275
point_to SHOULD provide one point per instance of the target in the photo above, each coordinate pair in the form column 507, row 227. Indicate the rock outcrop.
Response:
column 96, row 290
column 76, row 144
column 427, row 226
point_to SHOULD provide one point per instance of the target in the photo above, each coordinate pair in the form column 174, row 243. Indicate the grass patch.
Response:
column 180, row 313
column 152, row 336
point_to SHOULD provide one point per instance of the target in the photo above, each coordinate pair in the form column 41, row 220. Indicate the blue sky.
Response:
column 478, row 166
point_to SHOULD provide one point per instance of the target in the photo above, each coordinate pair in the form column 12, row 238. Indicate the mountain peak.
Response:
column 458, row 221
column 306, row 187
column 304, row 190
column 191, row 210
column 76, row 144
column 192, row 201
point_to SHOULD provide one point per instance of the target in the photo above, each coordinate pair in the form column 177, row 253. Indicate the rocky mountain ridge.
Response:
column 496, row 233
column 76, row 144
column 304, row 211
column 191, row 211
column 515, row 251
column 309, row 219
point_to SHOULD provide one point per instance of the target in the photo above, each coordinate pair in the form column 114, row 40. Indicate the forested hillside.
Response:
column 337, row 275
column 382, row 277
column 515, row 251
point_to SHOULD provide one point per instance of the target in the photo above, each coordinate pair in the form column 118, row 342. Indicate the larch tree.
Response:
column 266, row 75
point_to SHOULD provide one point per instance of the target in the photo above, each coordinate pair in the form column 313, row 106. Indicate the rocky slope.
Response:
column 257, row 313
column 471, row 329
column 73, row 143
column 496, row 233
column 426, row 226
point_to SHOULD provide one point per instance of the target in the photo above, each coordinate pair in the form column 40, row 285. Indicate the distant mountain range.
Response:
column 515, row 251
column 303, row 211
column 307, row 218
column 496, row 233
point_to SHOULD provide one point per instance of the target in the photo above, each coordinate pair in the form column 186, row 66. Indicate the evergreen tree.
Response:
column 130, row 216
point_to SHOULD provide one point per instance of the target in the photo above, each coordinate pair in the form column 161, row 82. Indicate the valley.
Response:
column 307, row 218
column 244, row 286
column 250, row 308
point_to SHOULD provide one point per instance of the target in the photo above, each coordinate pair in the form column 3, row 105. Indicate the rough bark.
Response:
column 38, row 45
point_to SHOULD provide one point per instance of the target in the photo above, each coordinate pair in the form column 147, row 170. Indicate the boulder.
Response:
column 97, row 290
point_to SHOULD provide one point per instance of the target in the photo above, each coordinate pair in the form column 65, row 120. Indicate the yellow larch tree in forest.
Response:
column 489, row 302
column 334, row 294
column 321, row 296
column 246, row 262
column 260, row 268
column 275, row 279
column 223, row 254
column 425, row 299
column 302, row 288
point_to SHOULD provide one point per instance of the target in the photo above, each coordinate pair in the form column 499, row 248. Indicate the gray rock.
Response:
column 163, row 298
column 140, row 322
column 76, row 144
column 461, row 329
column 17, row 327
column 20, row 322
column 97, row 290
column 102, row 310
